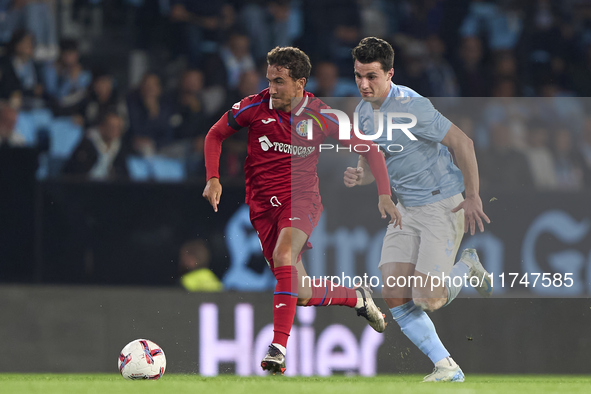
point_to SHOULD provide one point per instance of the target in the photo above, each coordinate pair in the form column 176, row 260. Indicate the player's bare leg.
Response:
column 289, row 245
column 407, row 304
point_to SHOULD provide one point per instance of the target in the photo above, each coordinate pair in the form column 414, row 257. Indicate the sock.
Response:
column 281, row 348
column 447, row 362
column 324, row 293
column 285, row 301
column 458, row 270
column 419, row 328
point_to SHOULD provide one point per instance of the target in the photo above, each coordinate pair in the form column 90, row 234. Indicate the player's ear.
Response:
column 301, row 83
column 390, row 74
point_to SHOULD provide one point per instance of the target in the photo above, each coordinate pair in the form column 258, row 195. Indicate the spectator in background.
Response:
column 568, row 161
column 327, row 77
column 345, row 22
column 539, row 156
column 271, row 23
column 332, row 28
column 249, row 84
column 326, row 82
column 422, row 18
column 12, row 13
column 559, row 107
column 36, row 16
column 102, row 154
column 234, row 58
column 100, row 98
column 441, row 75
column 149, row 114
column 505, row 69
column 503, row 166
column 505, row 65
column 471, row 71
column 504, row 108
column 194, row 260
column 189, row 119
column 40, row 19
column 66, row 81
column 20, row 77
column 200, row 24
column 413, row 71
column 547, row 44
column 501, row 22
column 9, row 135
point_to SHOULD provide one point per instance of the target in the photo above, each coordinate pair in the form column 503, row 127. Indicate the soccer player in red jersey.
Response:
column 282, row 190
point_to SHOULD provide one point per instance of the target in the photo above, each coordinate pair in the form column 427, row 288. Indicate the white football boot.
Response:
column 369, row 310
column 470, row 258
column 444, row 373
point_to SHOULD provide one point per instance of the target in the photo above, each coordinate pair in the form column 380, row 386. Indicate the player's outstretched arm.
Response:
column 463, row 148
column 212, row 151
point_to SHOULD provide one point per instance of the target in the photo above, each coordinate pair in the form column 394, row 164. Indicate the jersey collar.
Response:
column 391, row 93
column 300, row 107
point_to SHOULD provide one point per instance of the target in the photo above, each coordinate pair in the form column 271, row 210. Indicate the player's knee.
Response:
column 281, row 256
column 428, row 304
column 393, row 292
column 303, row 301
column 395, row 302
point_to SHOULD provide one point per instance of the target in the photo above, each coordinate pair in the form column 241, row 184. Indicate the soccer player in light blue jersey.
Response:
column 429, row 189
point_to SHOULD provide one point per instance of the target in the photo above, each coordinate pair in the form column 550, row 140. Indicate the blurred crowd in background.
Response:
column 127, row 89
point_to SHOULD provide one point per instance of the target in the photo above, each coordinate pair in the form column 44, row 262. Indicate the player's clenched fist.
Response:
column 354, row 176
column 213, row 192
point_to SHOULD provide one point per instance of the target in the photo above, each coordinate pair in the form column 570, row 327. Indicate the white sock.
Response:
column 281, row 348
column 447, row 362
column 359, row 300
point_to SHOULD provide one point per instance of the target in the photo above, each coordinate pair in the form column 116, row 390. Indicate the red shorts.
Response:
column 302, row 214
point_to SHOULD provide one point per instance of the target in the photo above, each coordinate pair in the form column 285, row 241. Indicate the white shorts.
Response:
column 429, row 239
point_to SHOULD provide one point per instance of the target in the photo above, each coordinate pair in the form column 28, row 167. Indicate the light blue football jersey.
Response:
column 423, row 172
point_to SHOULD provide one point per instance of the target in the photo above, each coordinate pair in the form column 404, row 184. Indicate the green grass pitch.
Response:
column 179, row 384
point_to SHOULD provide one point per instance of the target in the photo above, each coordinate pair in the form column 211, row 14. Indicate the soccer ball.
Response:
column 142, row 359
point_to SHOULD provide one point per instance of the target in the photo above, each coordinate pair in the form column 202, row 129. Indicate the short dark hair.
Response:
column 294, row 59
column 373, row 49
column 110, row 111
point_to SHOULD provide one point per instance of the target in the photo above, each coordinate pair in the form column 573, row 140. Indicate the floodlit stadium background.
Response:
column 88, row 262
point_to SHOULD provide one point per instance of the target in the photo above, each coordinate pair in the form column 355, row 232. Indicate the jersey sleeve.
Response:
column 212, row 150
column 243, row 111
column 431, row 124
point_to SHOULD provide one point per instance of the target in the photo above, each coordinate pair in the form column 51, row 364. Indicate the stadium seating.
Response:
column 64, row 137
column 156, row 168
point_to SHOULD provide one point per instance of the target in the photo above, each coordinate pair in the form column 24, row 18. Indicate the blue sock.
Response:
column 458, row 270
column 419, row 328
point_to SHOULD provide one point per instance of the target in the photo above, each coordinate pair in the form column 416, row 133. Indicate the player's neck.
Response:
column 295, row 101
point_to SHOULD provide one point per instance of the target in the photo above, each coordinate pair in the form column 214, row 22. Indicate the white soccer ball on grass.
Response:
column 142, row 359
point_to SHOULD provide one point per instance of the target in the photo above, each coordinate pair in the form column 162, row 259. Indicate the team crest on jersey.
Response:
column 302, row 128
column 236, row 105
